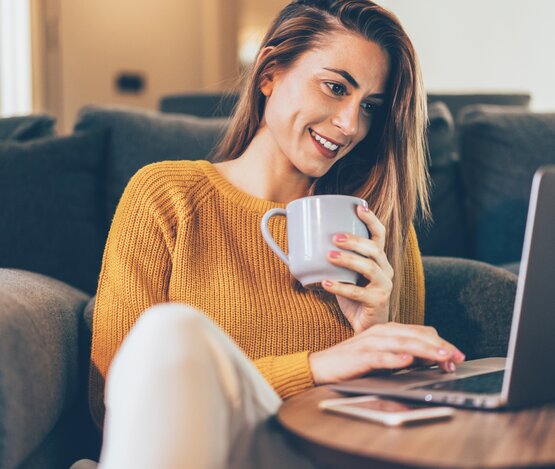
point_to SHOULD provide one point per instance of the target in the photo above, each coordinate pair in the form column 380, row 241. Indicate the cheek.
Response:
column 364, row 127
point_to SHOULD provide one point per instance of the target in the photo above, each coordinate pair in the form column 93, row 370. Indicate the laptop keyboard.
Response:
column 488, row 383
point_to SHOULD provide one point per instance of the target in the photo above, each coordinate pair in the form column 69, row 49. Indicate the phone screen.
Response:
column 386, row 406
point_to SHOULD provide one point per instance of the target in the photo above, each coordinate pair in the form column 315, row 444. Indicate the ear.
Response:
column 267, row 85
column 268, row 75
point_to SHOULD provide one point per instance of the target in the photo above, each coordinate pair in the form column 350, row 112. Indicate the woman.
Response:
column 333, row 104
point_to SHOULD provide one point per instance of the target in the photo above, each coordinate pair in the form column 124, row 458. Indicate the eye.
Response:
column 369, row 108
column 336, row 88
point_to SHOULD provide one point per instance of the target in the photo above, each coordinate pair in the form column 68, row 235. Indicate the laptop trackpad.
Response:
column 410, row 377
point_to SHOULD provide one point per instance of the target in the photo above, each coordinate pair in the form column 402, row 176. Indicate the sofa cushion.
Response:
column 39, row 319
column 445, row 235
column 500, row 149
column 139, row 137
column 470, row 304
column 456, row 102
column 50, row 207
column 22, row 128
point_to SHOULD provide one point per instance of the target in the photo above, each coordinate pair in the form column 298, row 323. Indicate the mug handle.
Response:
column 268, row 236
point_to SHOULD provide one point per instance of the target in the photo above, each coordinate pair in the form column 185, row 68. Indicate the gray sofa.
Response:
column 58, row 195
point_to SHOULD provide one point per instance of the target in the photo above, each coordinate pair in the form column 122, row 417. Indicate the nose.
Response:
column 346, row 118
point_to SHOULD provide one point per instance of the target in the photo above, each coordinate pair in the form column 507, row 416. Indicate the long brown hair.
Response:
column 388, row 167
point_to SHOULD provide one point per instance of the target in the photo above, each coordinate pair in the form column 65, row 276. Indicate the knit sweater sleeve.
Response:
column 287, row 374
column 135, row 274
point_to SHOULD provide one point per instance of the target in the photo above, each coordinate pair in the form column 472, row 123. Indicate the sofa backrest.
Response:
column 222, row 105
column 50, row 204
column 24, row 128
column 138, row 137
column 500, row 149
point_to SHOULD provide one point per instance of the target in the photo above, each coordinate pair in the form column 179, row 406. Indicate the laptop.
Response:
column 527, row 375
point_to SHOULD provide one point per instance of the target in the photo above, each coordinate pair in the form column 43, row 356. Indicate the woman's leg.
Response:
column 180, row 393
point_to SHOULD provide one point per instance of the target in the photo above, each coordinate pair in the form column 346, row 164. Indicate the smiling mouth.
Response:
column 325, row 143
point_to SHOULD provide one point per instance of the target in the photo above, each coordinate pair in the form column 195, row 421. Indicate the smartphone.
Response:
column 385, row 411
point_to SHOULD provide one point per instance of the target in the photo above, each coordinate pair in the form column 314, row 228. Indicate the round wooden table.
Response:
column 472, row 439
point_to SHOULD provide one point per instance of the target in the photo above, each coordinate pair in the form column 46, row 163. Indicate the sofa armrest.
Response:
column 470, row 303
column 39, row 320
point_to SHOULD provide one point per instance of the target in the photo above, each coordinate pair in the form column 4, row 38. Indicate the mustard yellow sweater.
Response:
column 182, row 233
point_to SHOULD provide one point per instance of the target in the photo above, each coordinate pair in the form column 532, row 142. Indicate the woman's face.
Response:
column 319, row 109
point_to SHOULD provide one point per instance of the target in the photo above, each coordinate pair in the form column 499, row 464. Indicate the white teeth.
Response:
column 325, row 143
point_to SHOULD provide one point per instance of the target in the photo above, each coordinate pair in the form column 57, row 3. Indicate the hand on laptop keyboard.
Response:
column 383, row 346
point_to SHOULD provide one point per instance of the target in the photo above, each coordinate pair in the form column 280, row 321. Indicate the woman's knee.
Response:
column 165, row 319
column 166, row 334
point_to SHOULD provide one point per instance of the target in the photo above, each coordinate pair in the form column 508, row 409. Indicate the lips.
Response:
column 325, row 145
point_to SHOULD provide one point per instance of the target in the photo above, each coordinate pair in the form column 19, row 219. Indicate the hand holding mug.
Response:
column 363, row 305
column 329, row 247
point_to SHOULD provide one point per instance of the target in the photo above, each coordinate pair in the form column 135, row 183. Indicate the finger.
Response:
column 370, row 297
column 416, row 347
column 445, row 366
column 375, row 227
column 444, row 348
column 387, row 361
column 368, row 268
column 365, row 247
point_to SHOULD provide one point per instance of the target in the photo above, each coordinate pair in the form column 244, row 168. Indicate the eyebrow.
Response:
column 352, row 81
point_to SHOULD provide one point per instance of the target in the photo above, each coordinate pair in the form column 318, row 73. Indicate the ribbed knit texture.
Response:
column 182, row 233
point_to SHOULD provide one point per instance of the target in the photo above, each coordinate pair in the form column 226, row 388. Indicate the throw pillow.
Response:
column 445, row 235
column 23, row 128
column 139, row 137
column 50, row 207
column 501, row 148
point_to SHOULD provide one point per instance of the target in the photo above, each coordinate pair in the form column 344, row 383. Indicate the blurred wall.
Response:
column 477, row 45
column 186, row 45
column 175, row 45
column 254, row 20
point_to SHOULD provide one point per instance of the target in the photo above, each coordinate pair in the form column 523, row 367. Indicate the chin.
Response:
column 318, row 168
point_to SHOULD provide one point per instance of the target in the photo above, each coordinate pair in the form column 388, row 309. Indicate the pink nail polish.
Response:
column 335, row 254
column 340, row 238
column 451, row 367
column 443, row 352
column 327, row 283
column 364, row 208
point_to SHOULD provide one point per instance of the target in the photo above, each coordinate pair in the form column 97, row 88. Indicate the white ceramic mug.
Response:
column 311, row 224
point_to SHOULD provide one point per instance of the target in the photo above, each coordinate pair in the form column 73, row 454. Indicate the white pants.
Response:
column 181, row 394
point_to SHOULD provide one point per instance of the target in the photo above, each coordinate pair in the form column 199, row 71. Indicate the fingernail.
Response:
column 459, row 356
column 327, row 283
column 451, row 367
column 334, row 254
column 340, row 238
column 443, row 352
column 405, row 356
column 364, row 208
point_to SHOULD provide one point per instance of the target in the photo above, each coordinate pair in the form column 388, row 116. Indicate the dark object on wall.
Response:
column 133, row 83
